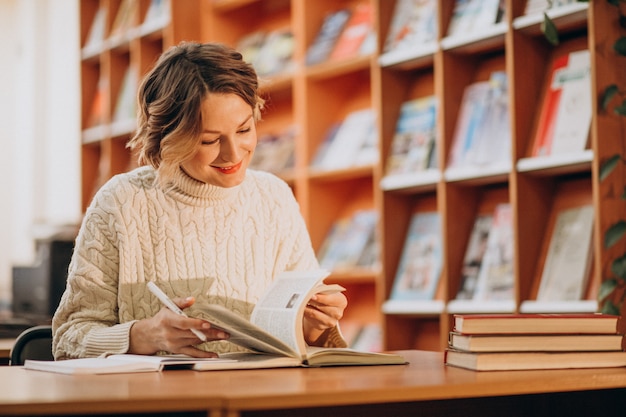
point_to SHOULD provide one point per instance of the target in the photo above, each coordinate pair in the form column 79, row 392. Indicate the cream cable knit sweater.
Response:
column 222, row 245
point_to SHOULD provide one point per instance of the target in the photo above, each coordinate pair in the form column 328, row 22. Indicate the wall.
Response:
column 40, row 127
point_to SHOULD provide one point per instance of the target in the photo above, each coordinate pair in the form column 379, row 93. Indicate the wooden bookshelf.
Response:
column 314, row 97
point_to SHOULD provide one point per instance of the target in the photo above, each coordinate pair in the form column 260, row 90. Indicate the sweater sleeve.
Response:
column 86, row 323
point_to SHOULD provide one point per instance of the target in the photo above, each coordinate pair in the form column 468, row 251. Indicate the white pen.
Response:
column 172, row 306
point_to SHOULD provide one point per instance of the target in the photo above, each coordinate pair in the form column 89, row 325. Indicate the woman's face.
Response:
column 227, row 141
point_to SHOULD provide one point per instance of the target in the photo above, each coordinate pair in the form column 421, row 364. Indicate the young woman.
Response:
column 193, row 219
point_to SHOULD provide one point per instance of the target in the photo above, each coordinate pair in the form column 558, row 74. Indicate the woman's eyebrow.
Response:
column 217, row 132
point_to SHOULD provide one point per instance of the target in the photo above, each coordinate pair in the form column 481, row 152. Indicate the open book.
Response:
column 274, row 333
column 116, row 364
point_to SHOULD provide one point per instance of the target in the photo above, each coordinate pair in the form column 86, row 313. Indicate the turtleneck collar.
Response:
column 197, row 193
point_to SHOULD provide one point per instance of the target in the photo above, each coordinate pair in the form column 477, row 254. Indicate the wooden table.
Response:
column 424, row 387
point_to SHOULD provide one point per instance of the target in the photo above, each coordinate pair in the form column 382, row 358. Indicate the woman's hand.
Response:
column 167, row 331
column 323, row 312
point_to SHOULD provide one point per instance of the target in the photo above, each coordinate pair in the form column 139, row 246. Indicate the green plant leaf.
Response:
column 549, row 30
column 608, row 94
column 621, row 109
column 608, row 166
column 606, row 288
column 620, row 46
column 613, row 2
column 610, row 308
column 614, row 233
column 618, row 267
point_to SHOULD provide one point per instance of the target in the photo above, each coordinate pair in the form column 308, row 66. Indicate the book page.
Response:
column 280, row 310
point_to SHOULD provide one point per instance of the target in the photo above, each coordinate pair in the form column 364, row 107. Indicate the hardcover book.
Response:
column 413, row 143
column 510, row 361
column 589, row 323
column 565, row 116
column 535, row 342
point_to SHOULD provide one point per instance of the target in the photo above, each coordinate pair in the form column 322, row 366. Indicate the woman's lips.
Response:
column 229, row 170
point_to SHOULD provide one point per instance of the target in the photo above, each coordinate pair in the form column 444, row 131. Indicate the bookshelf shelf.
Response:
column 314, row 98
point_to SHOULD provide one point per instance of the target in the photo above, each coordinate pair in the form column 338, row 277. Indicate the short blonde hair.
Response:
column 170, row 101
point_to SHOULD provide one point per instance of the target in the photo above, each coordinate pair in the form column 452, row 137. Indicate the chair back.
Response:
column 33, row 343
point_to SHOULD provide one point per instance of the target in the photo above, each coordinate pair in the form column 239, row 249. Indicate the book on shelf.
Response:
column 322, row 149
column 347, row 242
column 566, row 269
column 368, row 338
column 96, row 115
column 496, row 278
column 270, row 53
column 275, row 151
column 125, row 107
column 345, row 148
column 535, row 342
column 482, row 132
column 511, row 361
column 420, row 263
column 353, row 40
column 414, row 140
column 565, row 323
column 97, row 31
column 414, row 22
column 474, row 253
column 123, row 19
column 274, row 331
column 158, row 13
column 470, row 16
column 330, row 29
column 565, row 114
column 120, row 363
column 540, row 6
column 275, row 53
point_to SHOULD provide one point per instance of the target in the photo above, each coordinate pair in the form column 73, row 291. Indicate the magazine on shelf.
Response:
column 565, row 115
column 343, row 149
column 420, row 264
column 474, row 15
column 482, row 132
column 414, row 140
column 566, row 269
column 476, row 248
column 354, row 39
column 496, row 279
column 347, row 241
column 414, row 22
column 329, row 32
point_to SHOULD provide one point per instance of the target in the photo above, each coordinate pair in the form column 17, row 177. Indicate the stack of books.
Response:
column 504, row 342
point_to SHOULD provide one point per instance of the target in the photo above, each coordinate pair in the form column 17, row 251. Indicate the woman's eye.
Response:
column 210, row 142
column 246, row 130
